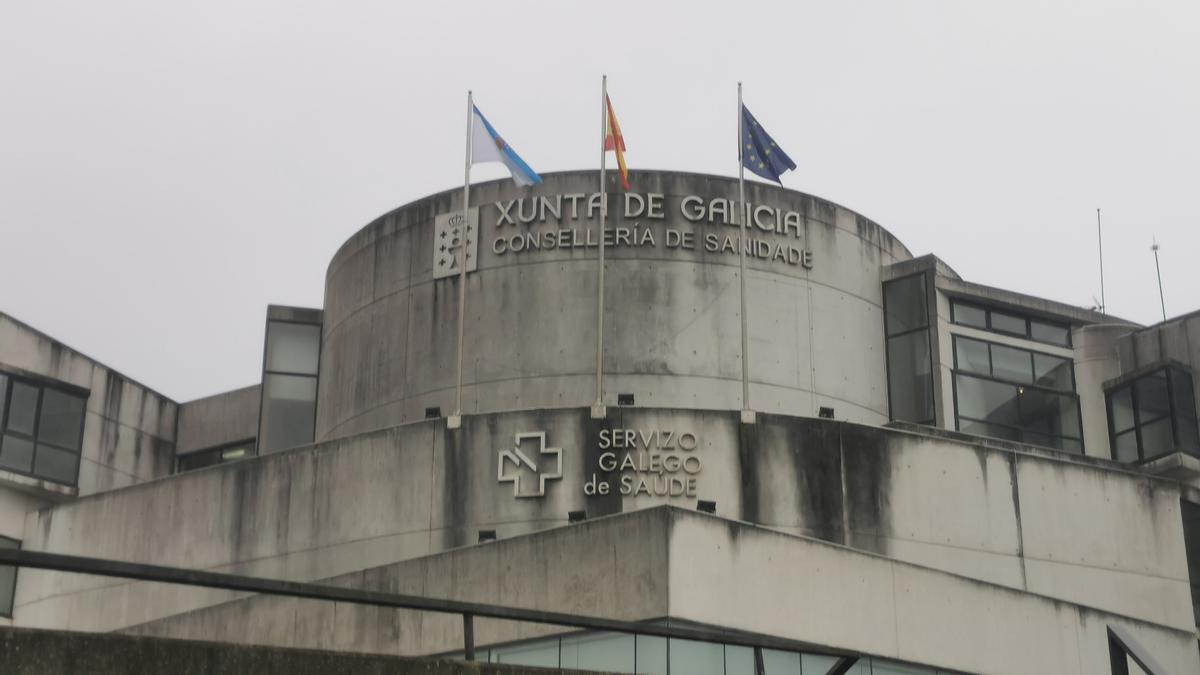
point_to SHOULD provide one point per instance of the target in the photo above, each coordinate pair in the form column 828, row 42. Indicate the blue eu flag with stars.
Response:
column 759, row 152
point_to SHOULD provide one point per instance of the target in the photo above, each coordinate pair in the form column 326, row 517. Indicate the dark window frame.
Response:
column 1027, row 335
column 249, row 443
column 887, row 338
column 16, row 571
column 41, row 386
column 1073, row 393
column 1173, row 413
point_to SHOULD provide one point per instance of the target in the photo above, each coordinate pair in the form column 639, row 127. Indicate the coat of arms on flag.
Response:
column 450, row 235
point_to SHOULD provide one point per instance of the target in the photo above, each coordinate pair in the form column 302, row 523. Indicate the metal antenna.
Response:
column 1100, row 240
column 1163, row 303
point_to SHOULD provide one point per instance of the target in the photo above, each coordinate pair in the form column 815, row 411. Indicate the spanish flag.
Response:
column 614, row 141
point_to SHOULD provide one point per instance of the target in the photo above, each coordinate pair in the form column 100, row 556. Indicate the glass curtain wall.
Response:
column 1015, row 394
column 909, row 356
column 289, row 398
column 1153, row 415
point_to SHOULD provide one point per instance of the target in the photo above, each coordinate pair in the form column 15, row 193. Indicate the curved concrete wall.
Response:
column 671, row 319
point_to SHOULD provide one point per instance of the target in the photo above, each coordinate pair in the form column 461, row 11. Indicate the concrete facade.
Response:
column 913, row 543
column 217, row 420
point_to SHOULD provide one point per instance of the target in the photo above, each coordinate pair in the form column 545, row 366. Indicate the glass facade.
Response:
column 647, row 655
column 289, row 398
column 1153, row 415
column 1009, row 323
column 1016, row 394
column 8, row 579
column 909, row 357
column 41, row 429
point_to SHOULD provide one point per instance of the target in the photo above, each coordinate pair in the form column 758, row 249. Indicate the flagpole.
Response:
column 598, row 408
column 747, row 414
column 456, row 419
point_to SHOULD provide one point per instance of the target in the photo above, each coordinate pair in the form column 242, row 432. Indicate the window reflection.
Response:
column 41, row 429
column 1015, row 394
column 909, row 359
column 1153, row 415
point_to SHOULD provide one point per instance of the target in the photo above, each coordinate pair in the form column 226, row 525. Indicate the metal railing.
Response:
column 468, row 610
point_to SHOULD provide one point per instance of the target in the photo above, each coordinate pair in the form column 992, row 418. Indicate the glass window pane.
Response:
column 1157, row 439
column 1049, row 413
column 1051, row 333
column 969, row 315
column 987, row 401
column 293, row 347
column 990, row 430
column 1012, row 364
column 972, row 356
column 1185, row 411
column 739, row 660
column 56, row 465
column 1053, row 372
column 8, row 579
column 906, row 304
column 22, row 408
column 910, row 377
column 607, row 652
column 1150, row 391
column 16, row 453
column 651, row 655
column 1121, row 408
column 289, row 409
column 776, row 662
column 1183, row 394
column 1007, row 323
column 61, row 419
column 3, row 397
column 1189, row 434
column 697, row 658
column 542, row 653
column 1125, row 447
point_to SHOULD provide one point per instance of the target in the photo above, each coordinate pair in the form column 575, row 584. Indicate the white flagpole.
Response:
column 462, row 263
column 598, row 407
column 747, row 414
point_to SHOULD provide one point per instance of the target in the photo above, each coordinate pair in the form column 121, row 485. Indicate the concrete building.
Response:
column 938, row 476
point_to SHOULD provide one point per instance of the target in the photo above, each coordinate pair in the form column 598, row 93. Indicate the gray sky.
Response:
column 167, row 169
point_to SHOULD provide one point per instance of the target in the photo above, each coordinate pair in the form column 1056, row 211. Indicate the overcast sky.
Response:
column 167, row 169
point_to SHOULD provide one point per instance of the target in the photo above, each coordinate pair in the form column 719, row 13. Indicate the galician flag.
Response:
column 488, row 146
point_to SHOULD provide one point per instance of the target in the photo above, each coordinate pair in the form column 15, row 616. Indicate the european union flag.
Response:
column 759, row 152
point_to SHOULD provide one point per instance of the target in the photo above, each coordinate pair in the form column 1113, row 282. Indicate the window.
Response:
column 8, row 579
column 909, row 357
column 1153, row 415
column 211, row 456
column 1008, row 323
column 1015, row 394
column 289, row 398
column 1191, row 543
column 41, row 428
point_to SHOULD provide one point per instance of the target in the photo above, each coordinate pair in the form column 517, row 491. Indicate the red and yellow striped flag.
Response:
column 614, row 141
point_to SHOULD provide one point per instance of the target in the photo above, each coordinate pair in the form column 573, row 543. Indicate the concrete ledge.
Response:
column 43, row 652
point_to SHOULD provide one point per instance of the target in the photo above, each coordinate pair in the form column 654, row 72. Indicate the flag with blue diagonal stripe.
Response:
column 759, row 152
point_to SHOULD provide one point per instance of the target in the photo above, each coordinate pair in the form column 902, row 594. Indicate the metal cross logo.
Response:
column 518, row 459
